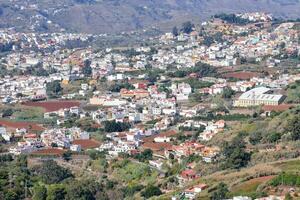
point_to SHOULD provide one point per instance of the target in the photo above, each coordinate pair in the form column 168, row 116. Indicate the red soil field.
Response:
column 51, row 106
column 241, row 75
column 87, row 144
column 57, row 152
column 26, row 125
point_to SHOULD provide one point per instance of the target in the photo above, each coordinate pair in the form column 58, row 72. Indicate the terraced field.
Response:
column 250, row 186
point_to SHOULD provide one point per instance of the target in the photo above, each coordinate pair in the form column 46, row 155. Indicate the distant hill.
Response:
column 106, row 16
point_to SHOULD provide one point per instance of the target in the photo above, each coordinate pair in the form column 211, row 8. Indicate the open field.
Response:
column 50, row 106
column 48, row 152
column 241, row 75
column 26, row 125
column 250, row 186
column 87, row 144
column 293, row 166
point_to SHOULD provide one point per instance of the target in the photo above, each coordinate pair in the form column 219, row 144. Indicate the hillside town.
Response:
column 180, row 108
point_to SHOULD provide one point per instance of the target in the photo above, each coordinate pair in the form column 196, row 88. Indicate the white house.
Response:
column 75, row 148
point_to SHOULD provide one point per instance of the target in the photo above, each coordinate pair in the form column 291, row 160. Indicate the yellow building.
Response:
column 258, row 96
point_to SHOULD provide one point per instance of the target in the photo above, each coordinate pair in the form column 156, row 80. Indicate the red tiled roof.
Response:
column 30, row 135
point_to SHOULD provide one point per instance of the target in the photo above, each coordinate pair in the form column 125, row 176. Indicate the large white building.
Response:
column 258, row 96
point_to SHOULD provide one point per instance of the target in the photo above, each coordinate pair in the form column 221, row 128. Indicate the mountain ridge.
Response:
column 111, row 16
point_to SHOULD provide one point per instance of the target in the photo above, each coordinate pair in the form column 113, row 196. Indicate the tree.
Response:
column 148, row 66
column 113, row 126
column 151, row 191
column 11, row 195
column 130, row 190
column 82, row 190
column 187, row 27
column 221, row 192
column 208, row 40
column 39, row 192
column 175, row 31
column 273, row 137
column 255, row 138
column 53, row 88
column 218, row 37
column 235, row 154
column 153, row 75
column 7, row 112
column 227, row 93
column 56, row 192
column 232, row 18
column 94, row 155
column 87, row 69
column 282, row 45
column 294, row 127
column 50, row 172
column 67, row 156
column 204, row 69
column 145, row 155
column 118, row 86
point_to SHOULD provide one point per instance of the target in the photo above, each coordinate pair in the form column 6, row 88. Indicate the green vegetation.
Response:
column 202, row 69
column 50, row 172
column 230, row 117
column 208, row 40
column 131, row 189
column 130, row 172
column 54, row 89
column 187, row 27
column 227, row 93
column 100, row 165
column 232, row 18
column 294, row 127
column 118, row 86
column 113, row 126
column 86, row 124
column 84, row 189
column 290, row 166
column 293, row 93
column 46, row 181
column 37, row 70
column 67, row 156
column 29, row 114
column 39, row 192
column 94, row 155
column 151, row 191
column 144, row 156
column 7, row 112
column 175, row 31
column 221, row 192
column 250, row 187
column 56, row 192
column 153, row 75
column 87, row 69
column 289, row 179
column 235, row 153
column 196, row 84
